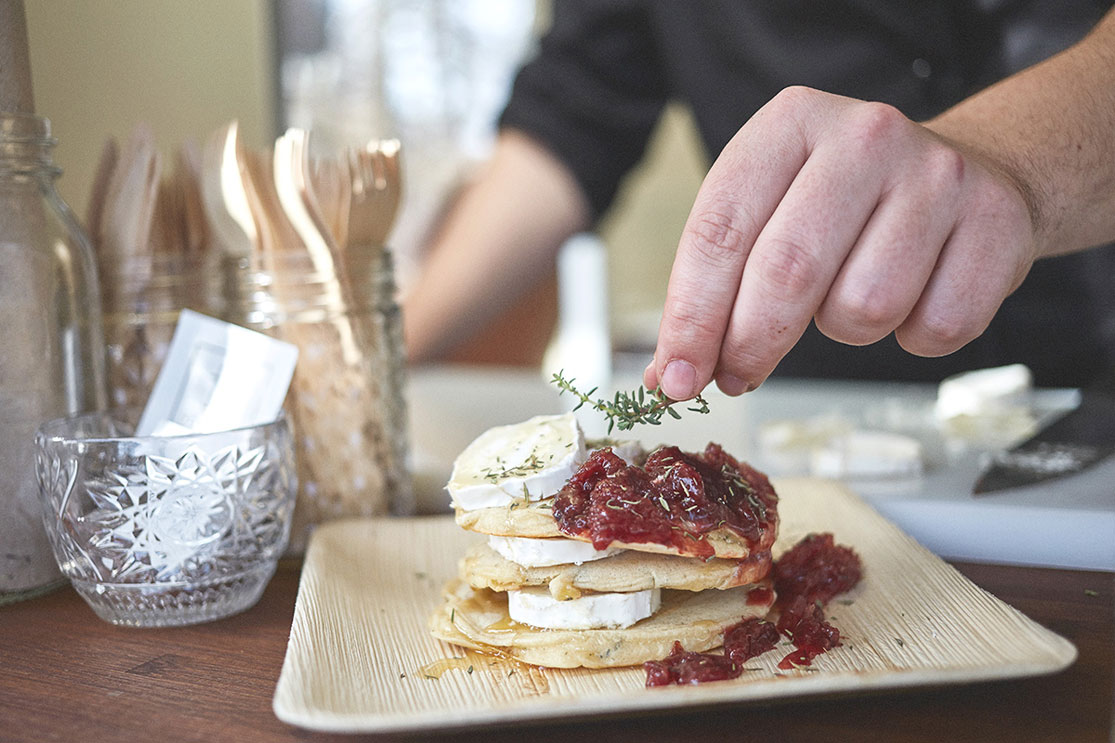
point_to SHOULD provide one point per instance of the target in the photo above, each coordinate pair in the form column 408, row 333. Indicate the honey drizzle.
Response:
column 494, row 663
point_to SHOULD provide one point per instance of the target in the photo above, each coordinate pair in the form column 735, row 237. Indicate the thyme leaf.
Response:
column 628, row 409
column 502, row 471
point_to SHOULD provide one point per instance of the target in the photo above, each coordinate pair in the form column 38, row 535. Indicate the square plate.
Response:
column 360, row 658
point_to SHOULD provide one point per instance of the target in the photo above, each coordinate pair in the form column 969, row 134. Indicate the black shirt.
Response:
column 604, row 71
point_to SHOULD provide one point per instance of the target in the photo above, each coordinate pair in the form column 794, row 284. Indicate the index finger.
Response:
column 739, row 194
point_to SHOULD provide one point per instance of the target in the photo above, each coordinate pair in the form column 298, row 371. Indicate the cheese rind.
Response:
column 538, row 608
column 531, row 460
column 539, row 553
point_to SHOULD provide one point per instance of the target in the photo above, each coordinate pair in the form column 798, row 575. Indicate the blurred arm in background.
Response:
column 495, row 247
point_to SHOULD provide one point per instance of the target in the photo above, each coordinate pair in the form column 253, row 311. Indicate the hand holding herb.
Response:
column 627, row 409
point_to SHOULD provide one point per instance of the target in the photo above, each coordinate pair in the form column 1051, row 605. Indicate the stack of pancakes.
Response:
column 537, row 594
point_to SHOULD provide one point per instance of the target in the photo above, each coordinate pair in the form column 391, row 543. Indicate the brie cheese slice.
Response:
column 529, row 461
column 538, row 608
column 540, row 553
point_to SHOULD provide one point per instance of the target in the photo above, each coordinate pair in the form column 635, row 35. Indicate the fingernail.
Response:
column 678, row 380
column 732, row 386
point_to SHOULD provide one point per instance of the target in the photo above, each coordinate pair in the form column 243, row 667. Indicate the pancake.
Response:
column 483, row 567
column 534, row 520
column 478, row 619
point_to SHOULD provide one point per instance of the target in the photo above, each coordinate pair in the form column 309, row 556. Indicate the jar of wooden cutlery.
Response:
column 51, row 361
column 149, row 238
column 346, row 401
column 142, row 300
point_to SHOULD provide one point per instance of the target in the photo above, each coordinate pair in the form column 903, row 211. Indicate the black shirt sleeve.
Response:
column 593, row 92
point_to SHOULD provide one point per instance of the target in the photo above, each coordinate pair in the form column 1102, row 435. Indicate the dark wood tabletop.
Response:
column 66, row 675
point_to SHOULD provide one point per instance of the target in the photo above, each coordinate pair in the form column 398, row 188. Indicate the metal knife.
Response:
column 1066, row 446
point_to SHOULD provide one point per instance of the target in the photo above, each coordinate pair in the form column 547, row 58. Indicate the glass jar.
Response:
column 346, row 402
column 142, row 298
column 52, row 357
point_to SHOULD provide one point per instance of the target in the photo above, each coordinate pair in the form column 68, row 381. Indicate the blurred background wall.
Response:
column 185, row 68
column 101, row 66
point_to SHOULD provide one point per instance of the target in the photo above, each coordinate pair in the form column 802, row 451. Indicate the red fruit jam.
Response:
column 806, row 578
column 742, row 642
column 816, row 569
column 683, row 667
column 749, row 638
column 674, row 500
column 809, row 575
column 804, row 623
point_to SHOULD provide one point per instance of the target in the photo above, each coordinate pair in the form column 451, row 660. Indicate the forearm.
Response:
column 498, row 241
column 1051, row 129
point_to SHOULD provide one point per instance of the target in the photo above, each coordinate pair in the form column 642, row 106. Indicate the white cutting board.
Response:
column 1067, row 523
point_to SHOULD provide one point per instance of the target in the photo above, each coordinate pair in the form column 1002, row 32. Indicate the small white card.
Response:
column 217, row 376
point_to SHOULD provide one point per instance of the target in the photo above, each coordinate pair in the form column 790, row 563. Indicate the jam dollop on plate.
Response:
column 817, row 569
column 675, row 499
column 806, row 577
column 742, row 642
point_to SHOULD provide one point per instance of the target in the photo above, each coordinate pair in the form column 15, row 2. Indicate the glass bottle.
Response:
column 52, row 357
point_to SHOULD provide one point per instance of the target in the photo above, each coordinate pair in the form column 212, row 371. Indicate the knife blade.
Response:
column 1068, row 445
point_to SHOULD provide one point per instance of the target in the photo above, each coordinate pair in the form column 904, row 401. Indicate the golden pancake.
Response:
column 627, row 572
column 534, row 520
column 478, row 619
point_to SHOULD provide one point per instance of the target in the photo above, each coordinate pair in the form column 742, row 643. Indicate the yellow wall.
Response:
column 183, row 66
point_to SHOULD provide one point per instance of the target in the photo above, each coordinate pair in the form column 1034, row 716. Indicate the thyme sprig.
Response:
column 627, row 409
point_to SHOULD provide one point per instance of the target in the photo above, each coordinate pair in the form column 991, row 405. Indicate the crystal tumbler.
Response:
column 168, row 530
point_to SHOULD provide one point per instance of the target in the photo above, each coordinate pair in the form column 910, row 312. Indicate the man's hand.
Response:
column 847, row 213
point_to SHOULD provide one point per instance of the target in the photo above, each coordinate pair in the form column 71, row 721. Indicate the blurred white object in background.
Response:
column 831, row 445
column 867, row 454
column 786, row 445
column 987, row 407
column 983, row 391
column 581, row 347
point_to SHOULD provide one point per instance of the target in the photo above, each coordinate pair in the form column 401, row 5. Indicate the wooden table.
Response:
column 66, row 675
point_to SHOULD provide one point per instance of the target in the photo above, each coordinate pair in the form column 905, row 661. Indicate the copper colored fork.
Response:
column 374, row 171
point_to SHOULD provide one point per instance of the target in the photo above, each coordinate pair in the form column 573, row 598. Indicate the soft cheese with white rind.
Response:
column 983, row 392
column 505, row 464
column 867, row 454
column 538, row 608
column 539, row 553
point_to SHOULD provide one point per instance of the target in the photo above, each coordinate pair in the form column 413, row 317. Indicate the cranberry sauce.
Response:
column 742, row 642
column 685, row 667
column 674, row 500
column 749, row 638
column 807, row 577
column 816, row 569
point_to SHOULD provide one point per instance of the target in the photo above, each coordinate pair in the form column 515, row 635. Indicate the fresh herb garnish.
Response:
column 503, row 471
column 628, row 408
